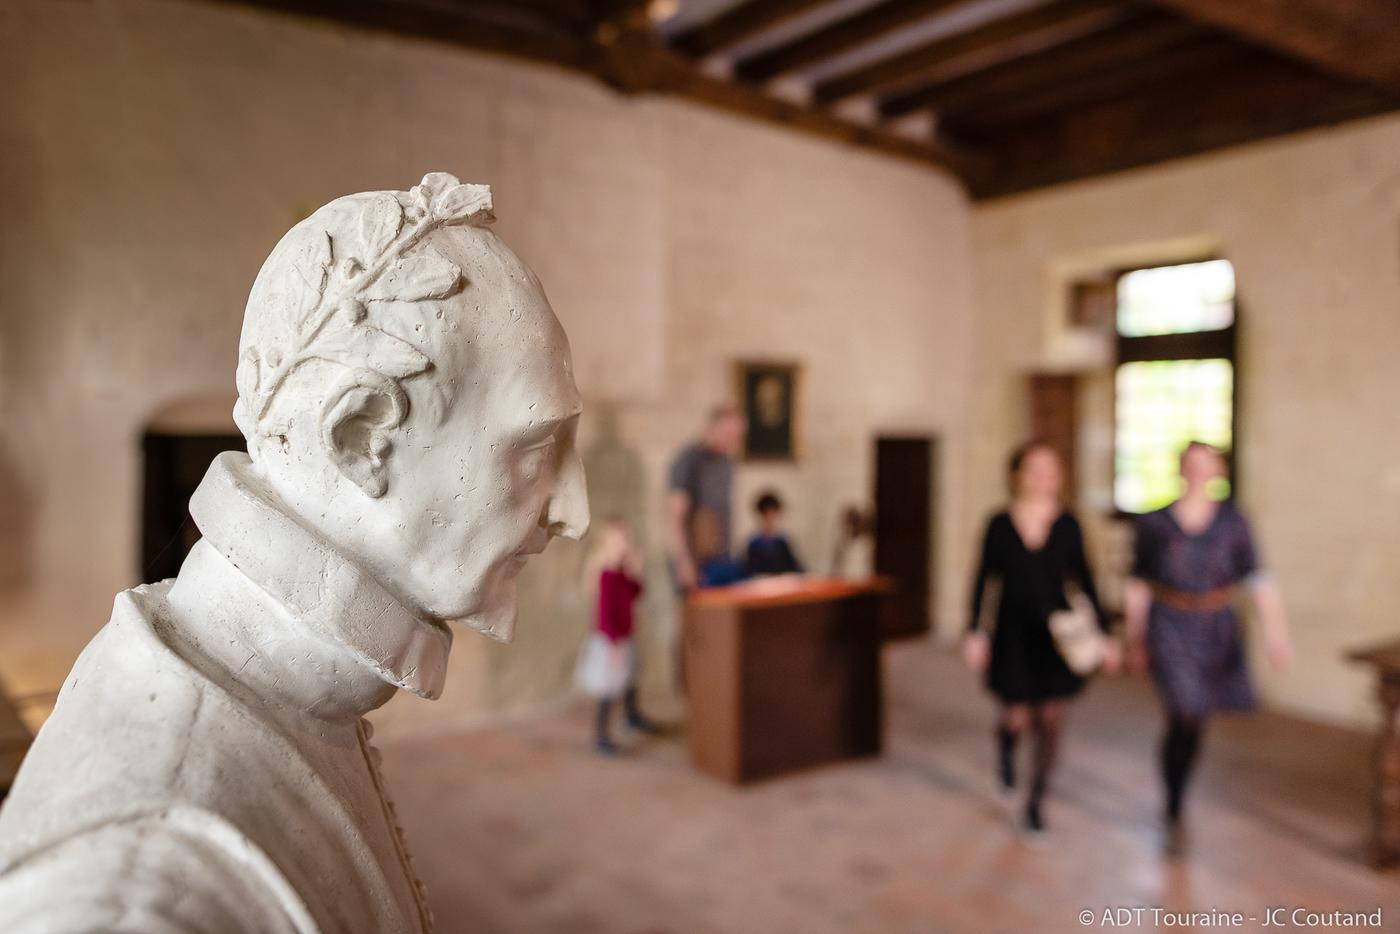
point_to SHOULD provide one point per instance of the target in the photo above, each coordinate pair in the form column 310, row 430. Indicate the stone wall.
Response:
column 152, row 152
column 1312, row 224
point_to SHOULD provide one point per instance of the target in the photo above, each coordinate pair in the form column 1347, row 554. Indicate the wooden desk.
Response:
column 1385, row 801
column 782, row 674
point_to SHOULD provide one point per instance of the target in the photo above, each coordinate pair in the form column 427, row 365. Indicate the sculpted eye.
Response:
column 534, row 459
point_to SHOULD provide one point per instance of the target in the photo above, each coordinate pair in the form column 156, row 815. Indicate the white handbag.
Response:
column 604, row 667
column 1077, row 635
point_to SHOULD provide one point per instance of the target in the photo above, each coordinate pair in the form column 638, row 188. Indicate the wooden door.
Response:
column 1053, row 418
column 904, row 516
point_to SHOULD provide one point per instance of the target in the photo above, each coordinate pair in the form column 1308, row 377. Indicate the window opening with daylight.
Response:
column 1176, row 376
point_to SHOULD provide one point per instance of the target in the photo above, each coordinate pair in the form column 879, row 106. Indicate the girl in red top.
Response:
column 607, row 667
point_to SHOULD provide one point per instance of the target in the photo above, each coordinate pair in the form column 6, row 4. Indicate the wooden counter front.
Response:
column 782, row 674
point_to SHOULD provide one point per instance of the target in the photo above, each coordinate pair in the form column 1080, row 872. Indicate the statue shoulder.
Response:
column 116, row 739
column 114, row 796
column 178, row 869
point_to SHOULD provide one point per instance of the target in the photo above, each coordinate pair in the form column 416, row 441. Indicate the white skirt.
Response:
column 604, row 667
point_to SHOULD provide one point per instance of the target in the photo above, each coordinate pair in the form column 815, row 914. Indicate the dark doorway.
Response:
column 174, row 465
column 904, row 516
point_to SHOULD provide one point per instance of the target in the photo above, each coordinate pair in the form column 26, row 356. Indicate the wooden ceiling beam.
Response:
column 1242, row 102
column 487, row 26
column 1095, row 53
column 1142, row 74
column 626, row 56
column 575, row 13
column 1349, row 38
column 675, row 75
column 837, row 37
column 1000, row 38
column 738, row 23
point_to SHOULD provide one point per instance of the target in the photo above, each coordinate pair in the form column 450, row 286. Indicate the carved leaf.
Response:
column 328, row 283
column 463, row 204
column 364, row 346
column 305, row 279
column 379, row 225
column 432, row 186
column 248, row 376
column 426, row 274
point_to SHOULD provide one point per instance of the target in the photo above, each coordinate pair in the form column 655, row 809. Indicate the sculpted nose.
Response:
column 568, row 507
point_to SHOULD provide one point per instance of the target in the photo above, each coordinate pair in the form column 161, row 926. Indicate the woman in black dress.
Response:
column 1181, row 624
column 1031, row 552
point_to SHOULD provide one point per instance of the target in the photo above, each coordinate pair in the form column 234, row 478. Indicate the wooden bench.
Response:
column 1384, row 658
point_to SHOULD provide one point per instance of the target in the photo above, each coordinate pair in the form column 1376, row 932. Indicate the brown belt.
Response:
column 1203, row 601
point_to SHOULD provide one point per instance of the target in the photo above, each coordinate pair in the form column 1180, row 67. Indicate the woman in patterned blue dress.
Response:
column 1181, row 623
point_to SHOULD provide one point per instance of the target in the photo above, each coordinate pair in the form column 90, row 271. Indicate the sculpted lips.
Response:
column 534, row 546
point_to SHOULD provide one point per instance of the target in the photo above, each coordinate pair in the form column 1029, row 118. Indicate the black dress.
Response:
column 1025, row 666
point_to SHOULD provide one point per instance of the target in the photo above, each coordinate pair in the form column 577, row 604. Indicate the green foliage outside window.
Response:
column 1163, row 405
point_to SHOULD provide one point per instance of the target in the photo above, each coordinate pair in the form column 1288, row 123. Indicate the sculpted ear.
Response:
column 355, row 427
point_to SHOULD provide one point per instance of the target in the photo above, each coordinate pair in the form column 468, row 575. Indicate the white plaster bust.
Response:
column 410, row 411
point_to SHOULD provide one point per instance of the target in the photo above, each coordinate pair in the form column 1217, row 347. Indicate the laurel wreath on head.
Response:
column 332, row 280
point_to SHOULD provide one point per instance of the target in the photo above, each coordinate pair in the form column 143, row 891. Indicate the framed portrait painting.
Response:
column 768, row 394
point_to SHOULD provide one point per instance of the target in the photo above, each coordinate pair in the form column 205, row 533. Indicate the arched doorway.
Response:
column 178, row 444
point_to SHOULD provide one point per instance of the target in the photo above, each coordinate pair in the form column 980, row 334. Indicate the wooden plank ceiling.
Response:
column 1008, row 95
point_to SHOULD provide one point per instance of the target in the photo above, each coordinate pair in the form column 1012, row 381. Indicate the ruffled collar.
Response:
column 245, row 521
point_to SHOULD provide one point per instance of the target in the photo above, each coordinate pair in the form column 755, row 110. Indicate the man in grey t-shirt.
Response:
column 698, row 504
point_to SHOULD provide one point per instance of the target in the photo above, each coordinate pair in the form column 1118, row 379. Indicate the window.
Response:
column 1175, row 380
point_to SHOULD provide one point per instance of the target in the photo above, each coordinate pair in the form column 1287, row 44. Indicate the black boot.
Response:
column 1035, row 824
column 1174, row 838
column 1180, row 749
column 602, row 738
column 1006, row 758
column 635, row 719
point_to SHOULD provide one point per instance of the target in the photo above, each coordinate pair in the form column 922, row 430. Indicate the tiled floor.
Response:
column 519, row 828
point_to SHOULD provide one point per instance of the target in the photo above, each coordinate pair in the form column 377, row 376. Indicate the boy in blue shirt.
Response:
column 769, row 551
